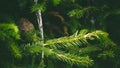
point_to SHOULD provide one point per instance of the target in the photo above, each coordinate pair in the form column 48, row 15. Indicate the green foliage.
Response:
column 30, row 36
column 76, row 13
column 56, row 2
column 78, row 38
column 81, row 48
column 76, row 25
column 89, row 49
column 8, row 31
column 107, row 54
column 38, row 7
column 74, row 49
column 9, row 50
column 15, row 51
column 66, row 57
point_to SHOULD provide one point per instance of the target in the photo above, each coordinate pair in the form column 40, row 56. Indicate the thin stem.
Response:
column 40, row 25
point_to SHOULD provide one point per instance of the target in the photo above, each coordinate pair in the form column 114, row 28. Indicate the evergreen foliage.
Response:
column 91, row 47
column 9, row 34
column 75, row 49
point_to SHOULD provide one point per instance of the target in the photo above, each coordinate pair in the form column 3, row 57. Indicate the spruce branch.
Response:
column 77, row 39
column 60, row 55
